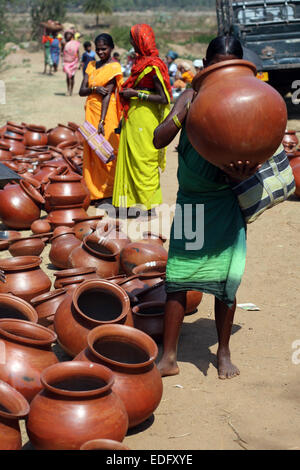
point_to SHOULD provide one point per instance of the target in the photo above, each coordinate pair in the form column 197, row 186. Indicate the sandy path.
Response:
column 260, row 408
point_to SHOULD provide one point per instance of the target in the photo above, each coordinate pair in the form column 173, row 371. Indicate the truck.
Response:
column 269, row 32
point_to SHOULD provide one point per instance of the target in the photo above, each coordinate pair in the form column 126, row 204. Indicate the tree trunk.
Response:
column 97, row 20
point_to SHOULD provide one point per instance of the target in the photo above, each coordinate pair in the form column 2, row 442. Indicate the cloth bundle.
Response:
column 97, row 142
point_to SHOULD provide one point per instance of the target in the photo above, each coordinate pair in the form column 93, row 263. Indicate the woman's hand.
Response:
column 101, row 128
column 241, row 170
column 101, row 90
column 128, row 93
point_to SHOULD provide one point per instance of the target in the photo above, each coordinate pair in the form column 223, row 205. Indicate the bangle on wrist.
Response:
column 101, row 122
column 176, row 121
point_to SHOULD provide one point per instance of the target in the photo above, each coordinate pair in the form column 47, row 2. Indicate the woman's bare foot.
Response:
column 226, row 369
column 167, row 366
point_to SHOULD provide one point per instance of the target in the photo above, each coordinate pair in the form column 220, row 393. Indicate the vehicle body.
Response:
column 269, row 31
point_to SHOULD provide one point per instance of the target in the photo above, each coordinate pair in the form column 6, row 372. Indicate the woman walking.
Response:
column 101, row 84
column 70, row 59
column 55, row 51
column 146, row 98
column 217, row 267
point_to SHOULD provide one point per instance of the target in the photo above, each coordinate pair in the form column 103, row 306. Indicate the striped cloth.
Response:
column 271, row 184
column 97, row 142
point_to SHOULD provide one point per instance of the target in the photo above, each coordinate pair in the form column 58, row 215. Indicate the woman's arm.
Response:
column 105, row 102
column 169, row 128
column 85, row 90
column 159, row 97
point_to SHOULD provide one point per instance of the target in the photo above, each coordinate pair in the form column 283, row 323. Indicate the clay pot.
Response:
column 40, row 226
column 20, row 205
column 85, row 407
column 61, row 247
column 13, row 407
column 14, row 132
column 47, row 169
column 74, row 127
column 86, row 226
column 290, row 141
column 27, row 353
column 35, row 135
column 136, row 253
column 5, row 153
column 47, row 304
column 149, row 318
column 15, row 307
column 295, row 164
column 64, row 190
column 104, row 256
column 6, row 236
column 111, row 231
column 65, row 215
column 153, row 238
column 60, row 134
column 235, row 116
column 93, row 303
column 26, row 247
column 103, row 444
column 24, row 277
column 130, row 354
column 16, row 145
column 84, row 274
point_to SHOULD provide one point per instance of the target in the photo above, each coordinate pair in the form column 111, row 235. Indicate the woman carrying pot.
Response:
column 216, row 267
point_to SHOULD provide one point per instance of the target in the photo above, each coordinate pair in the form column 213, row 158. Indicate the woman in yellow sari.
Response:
column 101, row 84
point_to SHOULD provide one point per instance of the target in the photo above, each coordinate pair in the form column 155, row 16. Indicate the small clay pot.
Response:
column 26, row 247
column 149, row 318
column 13, row 407
column 35, row 135
column 40, row 226
column 103, row 444
column 61, row 247
column 76, row 405
column 6, row 236
column 84, row 274
column 47, row 304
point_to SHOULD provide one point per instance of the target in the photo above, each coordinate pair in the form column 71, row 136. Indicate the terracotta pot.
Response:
column 136, row 253
column 225, row 128
column 85, row 407
column 104, row 256
column 28, row 352
column 61, row 247
column 65, row 215
column 290, row 141
column 295, row 164
column 47, row 304
column 130, row 354
column 111, row 231
column 60, row 134
column 47, row 169
column 40, row 226
column 103, row 444
column 93, row 303
column 14, row 132
column 7, row 235
column 74, row 127
column 13, row 407
column 86, row 226
column 5, row 153
column 24, row 277
column 35, row 135
column 149, row 318
column 26, row 247
column 20, row 205
column 64, row 190
column 15, row 307
column 84, row 274
column 153, row 238
column 16, row 145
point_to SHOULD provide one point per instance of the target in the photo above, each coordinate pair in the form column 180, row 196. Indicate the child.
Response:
column 87, row 56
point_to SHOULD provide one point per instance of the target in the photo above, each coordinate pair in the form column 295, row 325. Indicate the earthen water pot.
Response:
column 77, row 404
column 136, row 253
column 235, row 116
column 6, row 236
column 111, row 231
column 47, row 304
column 86, row 226
column 15, row 307
column 5, row 153
column 130, row 354
column 103, row 444
column 104, row 256
column 64, row 190
column 24, row 277
column 16, row 144
column 35, row 135
column 47, row 169
column 40, row 226
column 27, row 246
column 290, row 141
column 65, row 215
column 20, row 205
column 27, row 348
column 149, row 318
column 61, row 247
column 84, row 274
column 93, row 303
column 60, row 134
column 13, row 407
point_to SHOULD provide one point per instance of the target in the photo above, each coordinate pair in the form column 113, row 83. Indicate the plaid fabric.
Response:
column 97, row 142
column 271, row 184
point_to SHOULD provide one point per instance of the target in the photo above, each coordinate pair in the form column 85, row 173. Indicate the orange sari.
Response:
column 99, row 176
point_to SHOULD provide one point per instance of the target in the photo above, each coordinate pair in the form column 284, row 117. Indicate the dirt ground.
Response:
column 260, row 408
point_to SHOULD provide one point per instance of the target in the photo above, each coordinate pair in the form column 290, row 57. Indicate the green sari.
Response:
column 217, row 266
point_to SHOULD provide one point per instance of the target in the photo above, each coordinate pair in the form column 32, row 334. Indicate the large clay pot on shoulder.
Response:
column 136, row 253
column 13, row 407
column 77, row 404
column 103, row 255
column 28, row 352
column 60, row 134
column 61, row 247
column 93, row 303
column 130, row 354
column 235, row 116
column 35, row 135
column 20, row 205
column 24, row 277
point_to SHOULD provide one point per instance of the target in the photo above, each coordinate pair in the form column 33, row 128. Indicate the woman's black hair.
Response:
column 224, row 45
column 106, row 38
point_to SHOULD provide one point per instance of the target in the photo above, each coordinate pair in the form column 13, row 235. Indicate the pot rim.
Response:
column 104, row 285
column 47, row 337
column 73, row 272
column 22, row 303
column 47, row 296
column 200, row 76
column 114, row 251
column 26, row 262
column 150, row 264
column 121, row 331
column 86, row 369
column 18, row 399
column 69, row 177
column 136, row 310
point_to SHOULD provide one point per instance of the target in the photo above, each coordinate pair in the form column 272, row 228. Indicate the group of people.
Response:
column 135, row 117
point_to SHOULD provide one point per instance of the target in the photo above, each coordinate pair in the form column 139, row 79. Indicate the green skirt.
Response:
column 208, row 236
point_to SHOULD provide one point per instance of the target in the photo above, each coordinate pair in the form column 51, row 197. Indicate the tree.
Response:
column 44, row 10
column 97, row 7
